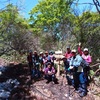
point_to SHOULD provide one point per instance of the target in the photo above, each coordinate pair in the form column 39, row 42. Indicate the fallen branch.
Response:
column 95, row 65
column 41, row 92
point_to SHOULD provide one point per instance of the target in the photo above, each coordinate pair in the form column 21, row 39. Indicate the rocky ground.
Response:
column 53, row 91
column 27, row 89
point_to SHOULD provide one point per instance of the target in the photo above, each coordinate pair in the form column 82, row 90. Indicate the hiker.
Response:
column 30, row 62
column 78, row 74
column 46, row 59
column 50, row 73
column 67, row 58
column 84, row 53
column 41, row 56
column 86, row 56
column 68, row 54
column 36, row 63
column 52, row 58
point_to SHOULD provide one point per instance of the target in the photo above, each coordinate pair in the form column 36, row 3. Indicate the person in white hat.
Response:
column 84, row 53
column 78, row 74
column 86, row 56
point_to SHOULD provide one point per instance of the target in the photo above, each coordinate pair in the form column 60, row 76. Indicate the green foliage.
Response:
column 91, row 72
column 56, row 18
column 52, row 22
column 52, row 17
column 86, row 28
column 48, row 15
column 86, row 25
column 13, row 30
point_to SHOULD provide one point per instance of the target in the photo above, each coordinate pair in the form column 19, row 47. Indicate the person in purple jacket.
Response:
column 50, row 72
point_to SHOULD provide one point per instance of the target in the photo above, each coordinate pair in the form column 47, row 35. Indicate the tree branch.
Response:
column 83, row 3
column 97, row 5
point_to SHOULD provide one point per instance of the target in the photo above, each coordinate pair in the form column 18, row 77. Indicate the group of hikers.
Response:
column 76, row 66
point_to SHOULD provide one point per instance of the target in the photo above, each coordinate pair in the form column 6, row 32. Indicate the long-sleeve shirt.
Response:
column 52, row 70
column 87, row 58
column 29, row 58
column 76, row 61
column 80, row 50
column 68, row 55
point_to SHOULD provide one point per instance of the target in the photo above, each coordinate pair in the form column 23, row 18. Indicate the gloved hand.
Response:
column 68, row 69
column 71, row 67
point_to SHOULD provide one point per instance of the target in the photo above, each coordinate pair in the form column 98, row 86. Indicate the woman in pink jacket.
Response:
column 86, row 56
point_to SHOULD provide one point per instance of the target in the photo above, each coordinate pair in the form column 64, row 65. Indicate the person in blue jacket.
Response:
column 78, row 74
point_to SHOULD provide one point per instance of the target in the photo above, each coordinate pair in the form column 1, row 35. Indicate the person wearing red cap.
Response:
column 67, row 57
column 68, row 54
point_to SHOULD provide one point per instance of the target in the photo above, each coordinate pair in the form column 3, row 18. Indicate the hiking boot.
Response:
column 47, row 82
column 82, row 94
column 78, row 91
column 56, row 82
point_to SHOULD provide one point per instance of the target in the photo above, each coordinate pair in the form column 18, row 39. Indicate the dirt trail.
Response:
column 39, row 90
column 52, row 91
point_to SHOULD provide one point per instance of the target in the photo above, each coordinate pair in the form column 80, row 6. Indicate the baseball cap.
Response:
column 46, row 52
column 73, row 50
column 85, row 49
column 41, row 52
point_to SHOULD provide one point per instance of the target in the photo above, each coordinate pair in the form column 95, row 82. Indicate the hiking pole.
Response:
column 69, row 89
column 70, row 93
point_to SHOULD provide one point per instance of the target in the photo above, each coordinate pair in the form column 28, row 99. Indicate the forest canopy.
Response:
column 53, row 24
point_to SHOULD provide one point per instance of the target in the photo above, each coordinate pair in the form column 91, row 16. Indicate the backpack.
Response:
column 84, row 64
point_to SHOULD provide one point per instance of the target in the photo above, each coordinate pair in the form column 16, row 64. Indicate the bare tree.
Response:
column 97, row 5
